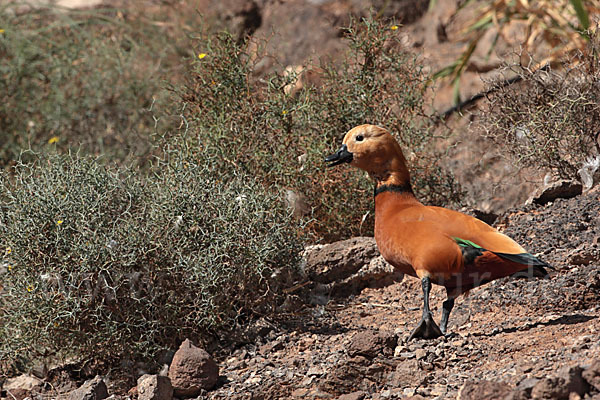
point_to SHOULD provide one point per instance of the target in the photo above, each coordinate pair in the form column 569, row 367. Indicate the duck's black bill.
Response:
column 339, row 157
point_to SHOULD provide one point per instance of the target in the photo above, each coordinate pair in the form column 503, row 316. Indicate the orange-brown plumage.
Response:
column 436, row 244
column 419, row 240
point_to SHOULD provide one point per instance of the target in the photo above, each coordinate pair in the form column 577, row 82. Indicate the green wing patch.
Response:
column 466, row 243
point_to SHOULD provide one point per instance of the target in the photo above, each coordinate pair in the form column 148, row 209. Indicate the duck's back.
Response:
column 412, row 236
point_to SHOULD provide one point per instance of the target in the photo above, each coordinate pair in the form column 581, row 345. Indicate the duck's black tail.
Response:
column 533, row 267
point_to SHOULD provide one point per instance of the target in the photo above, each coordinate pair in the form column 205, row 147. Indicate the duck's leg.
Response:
column 446, row 309
column 427, row 328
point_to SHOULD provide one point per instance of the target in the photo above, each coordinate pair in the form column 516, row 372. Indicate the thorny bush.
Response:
column 113, row 265
column 551, row 119
column 79, row 79
column 280, row 131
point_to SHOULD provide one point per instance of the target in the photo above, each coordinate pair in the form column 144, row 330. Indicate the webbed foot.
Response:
column 427, row 328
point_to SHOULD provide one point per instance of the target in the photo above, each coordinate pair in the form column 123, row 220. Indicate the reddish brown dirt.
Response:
column 510, row 331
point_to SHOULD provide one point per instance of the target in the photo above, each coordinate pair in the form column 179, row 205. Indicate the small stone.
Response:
column 315, row 371
column 21, row 387
column 94, row 389
column 359, row 395
column 270, row 347
column 415, row 345
column 253, row 381
column 154, row 387
column 192, row 370
column 527, row 384
column 562, row 189
column 399, row 350
column 164, row 371
column 407, row 355
column 420, row 354
column 568, row 380
column 23, row 382
column 370, row 343
column 300, row 393
column 319, row 394
column 592, row 375
column 438, row 390
column 483, row 390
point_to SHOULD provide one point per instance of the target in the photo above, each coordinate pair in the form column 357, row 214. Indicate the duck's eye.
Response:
column 359, row 138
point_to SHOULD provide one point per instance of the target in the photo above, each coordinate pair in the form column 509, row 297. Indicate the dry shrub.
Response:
column 561, row 27
column 281, row 136
column 82, row 78
column 110, row 265
column 551, row 119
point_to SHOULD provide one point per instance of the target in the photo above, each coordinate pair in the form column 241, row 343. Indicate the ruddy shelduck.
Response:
column 435, row 244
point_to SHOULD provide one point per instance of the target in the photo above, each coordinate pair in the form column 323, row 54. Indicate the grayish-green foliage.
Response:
column 282, row 136
column 107, row 263
column 551, row 119
column 84, row 78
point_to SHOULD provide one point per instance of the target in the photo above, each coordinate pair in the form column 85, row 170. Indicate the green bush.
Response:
column 78, row 79
column 108, row 264
column 281, row 136
column 551, row 119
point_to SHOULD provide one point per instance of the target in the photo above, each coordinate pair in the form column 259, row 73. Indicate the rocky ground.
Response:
column 519, row 334
column 512, row 338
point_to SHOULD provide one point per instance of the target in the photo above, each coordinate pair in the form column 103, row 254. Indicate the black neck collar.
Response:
column 404, row 188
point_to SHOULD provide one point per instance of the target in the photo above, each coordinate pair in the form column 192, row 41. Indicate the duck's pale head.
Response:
column 373, row 149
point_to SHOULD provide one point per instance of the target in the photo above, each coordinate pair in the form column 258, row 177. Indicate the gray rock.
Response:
column 584, row 255
column 315, row 371
column 359, row 395
column 568, row 380
column 22, row 386
column 420, row 354
column 371, row 343
column 94, row 389
column 346, row 267
column 483, row 390
column 154, row 387
column 339, row 260
column 192, row 370
column 527, row 384
column 26, row 382
column 592, row 375
column 562, row 189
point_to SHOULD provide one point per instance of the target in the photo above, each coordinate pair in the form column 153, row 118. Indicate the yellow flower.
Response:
column 53, row 139
column 30, row 288
column 60, row 221
column 1, row 30
column 201, row 55
column 284, row 112
column 394, row 27
column 10, row 267
column 8, row 250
